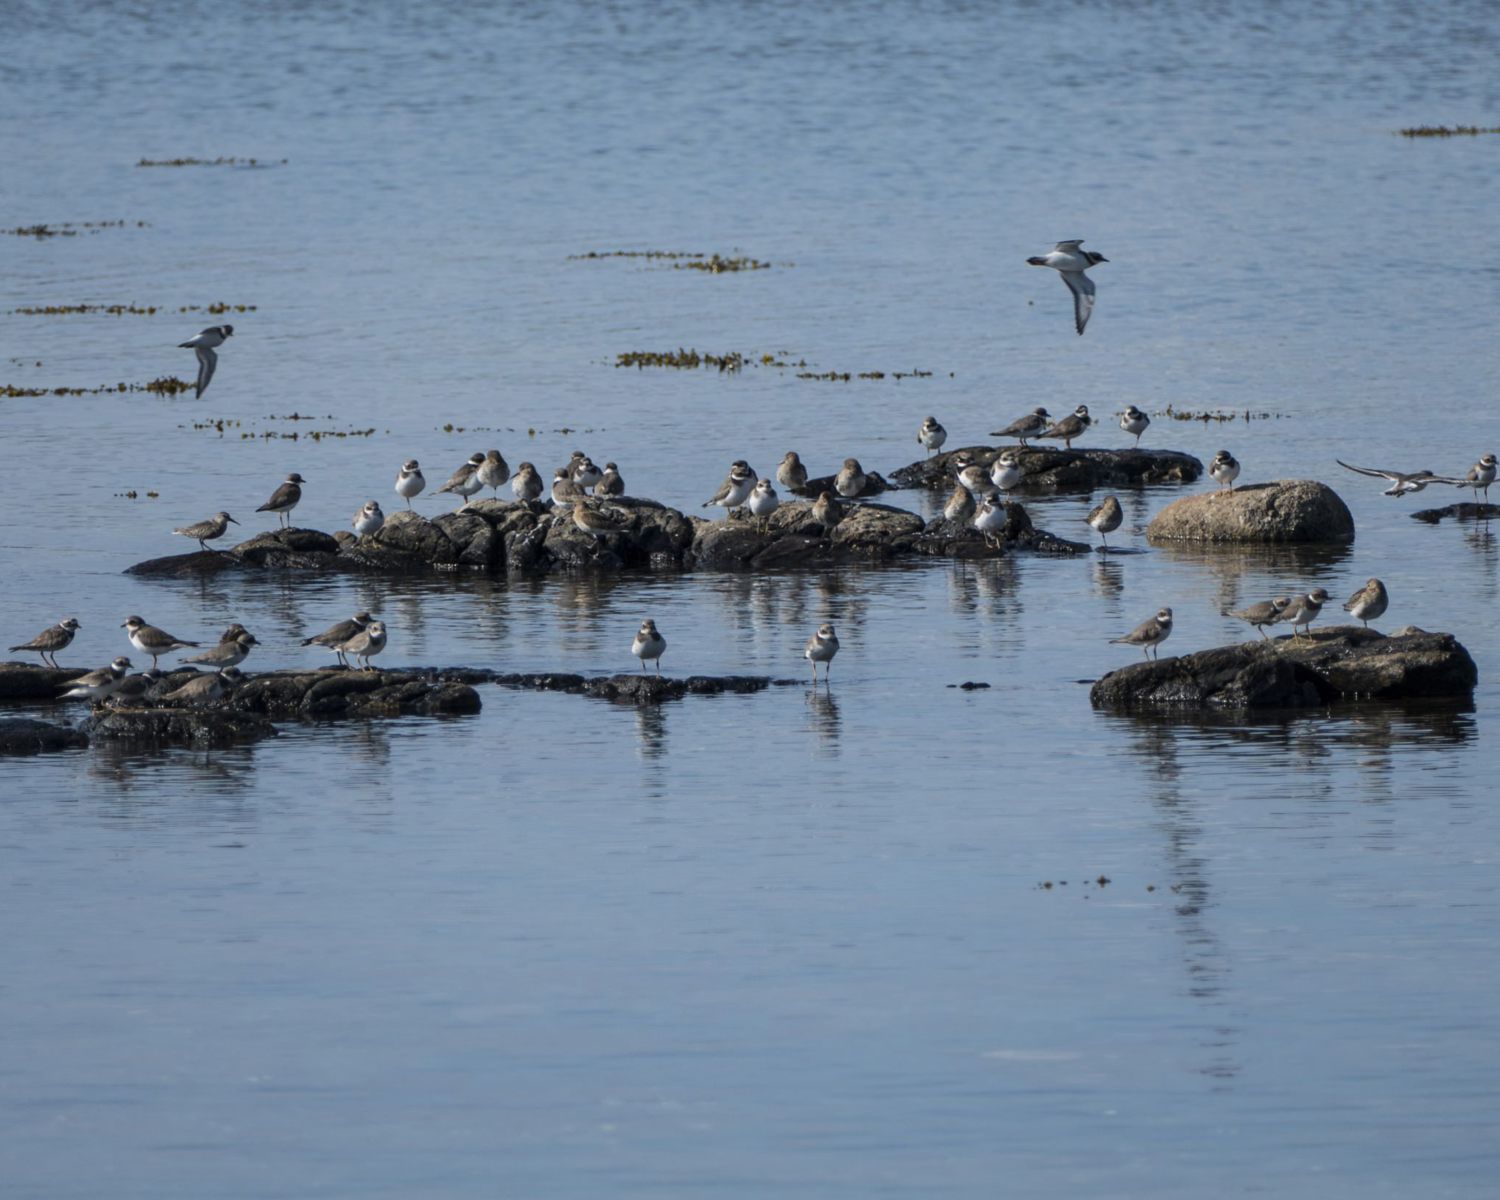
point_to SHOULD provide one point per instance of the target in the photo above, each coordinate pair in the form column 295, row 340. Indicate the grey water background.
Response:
column 795, row 943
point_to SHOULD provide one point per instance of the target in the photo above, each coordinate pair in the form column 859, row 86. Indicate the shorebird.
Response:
column 335, row 636
column 285, row 498
column 763, row 502
column 464, row 482
column 368, row 520
column 564, row 490
column 827, row 512
column 1481, row 475
column 585, row 474
column 1224, row 470
column 1149, row 634
column 207, row 531
column 51, row 640
column 610, row 483
column 989, row 519
column 205, row 689
column 590, row 519
column 791, row 474
column 1006, row 472
column 851, row 479
column 492, row 472
column 735, row 490
column 1402, row 482
column 649, row 644
column 1070, row 262
column 526, row 485
column 410, row 481
column 97, row 686
column 1133, row 420
column 1369, row 603
column 1304, row 610
column 203, row 345
column 148, row 639
column 1069, row 427
column 971, row 474
column 136, row 687
column 821, row 648
column 931, row 436
column 366, row 644
column 960, row 505
column 1033, row 424
column 1258, row 616
column 1106, row 518
column 228, row 653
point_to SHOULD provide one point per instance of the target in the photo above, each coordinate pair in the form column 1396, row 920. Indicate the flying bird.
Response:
column 1071, row 263
column 203, row 345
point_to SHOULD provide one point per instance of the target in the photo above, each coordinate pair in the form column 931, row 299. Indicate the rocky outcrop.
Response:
column 500, row 536
column 24, row 736
column 28, row 681
column 1289, row 510
column 339, row 693
column 959, row 539
column 1342, row 664
column 200, row 727
column 875, row 484
column 1057, row 469
column 641, row 688
column 1466, row 511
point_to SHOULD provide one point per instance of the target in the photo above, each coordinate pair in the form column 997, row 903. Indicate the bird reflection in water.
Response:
column 1108, row 578
column 651, row 731
column 823, row 716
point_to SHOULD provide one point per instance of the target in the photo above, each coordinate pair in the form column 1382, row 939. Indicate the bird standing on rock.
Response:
column 1149, row 634
column 207, row 531
column 410, row 481
column 932, row 436
column 284, row 499
column 791, row 474
column 1070, row 427
column 51, row 640
column 1369, row 603
column 649, row 644
column 851, row 479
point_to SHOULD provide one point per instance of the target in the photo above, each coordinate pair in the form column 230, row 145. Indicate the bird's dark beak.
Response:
column 233, row 521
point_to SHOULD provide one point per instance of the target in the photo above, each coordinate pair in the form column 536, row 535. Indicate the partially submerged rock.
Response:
column 875, row 484
column 640, row 688
column 1288, row 510
column 1050, row 468
column 203, row 727
column 29, row 681
column 959, row 539
column 24, row 736
column 337, row 692
column 1466, row 511
column 1341, row 664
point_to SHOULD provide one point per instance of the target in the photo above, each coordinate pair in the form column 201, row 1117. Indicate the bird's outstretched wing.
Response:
column 1082, row 288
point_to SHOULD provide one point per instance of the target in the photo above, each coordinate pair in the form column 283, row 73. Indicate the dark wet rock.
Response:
column 1467, row 511
column 959, row 539
column 1288, row 510
column 874, row 484
column 29, row 681
column 1344, row 663
column 1051, row 468
column 652, row 535
column 266, row 546
column 22, row 736
column 639, row 688
column 336, row 692
column 794, row 537
column 203, row 727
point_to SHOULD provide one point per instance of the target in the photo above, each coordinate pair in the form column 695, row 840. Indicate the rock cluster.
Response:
column 1050, row 468
column 1341, row 664
column 640, row 688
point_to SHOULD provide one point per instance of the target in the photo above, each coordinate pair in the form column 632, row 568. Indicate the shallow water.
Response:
column 797, row 943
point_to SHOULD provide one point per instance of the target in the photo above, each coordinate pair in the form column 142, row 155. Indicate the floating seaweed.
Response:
column 715, row 265
column 681, row 359
column 685, row 260
column 1447, row 131
column 210, row 162
column 69, row 228
column 63, row 310
column 846, row 376
column 1218, row 414
column 316, row 435
column 218, row 308
column 168, row 386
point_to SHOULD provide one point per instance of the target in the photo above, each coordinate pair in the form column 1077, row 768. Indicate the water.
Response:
column 799, row 943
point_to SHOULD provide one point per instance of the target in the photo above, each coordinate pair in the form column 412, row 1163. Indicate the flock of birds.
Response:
column 578, row 486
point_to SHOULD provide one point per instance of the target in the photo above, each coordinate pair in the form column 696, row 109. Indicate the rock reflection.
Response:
column 1242, row 573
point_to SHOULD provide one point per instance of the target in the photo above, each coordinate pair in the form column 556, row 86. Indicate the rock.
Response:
column 21, row 735
column 652, row 535
column 640, row 688
column 336, row 692
column 874, row 484
column 1344, row 663
column 30, row 681
column 793, row 537
column 1055, row 469
column 959, row 539
column 177, row 726
column 1295, row 510
column 1466, row 511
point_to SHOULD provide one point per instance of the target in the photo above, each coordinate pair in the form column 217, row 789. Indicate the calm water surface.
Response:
column 801, row 943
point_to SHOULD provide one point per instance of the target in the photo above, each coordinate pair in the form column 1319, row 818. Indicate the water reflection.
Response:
column 823, row 716
column 651, row 731
column 1242, row 573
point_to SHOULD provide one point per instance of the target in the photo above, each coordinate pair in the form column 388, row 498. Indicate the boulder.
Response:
column 1051, row 468
column 1341, row 664
column 874, row 484
column 793, row 537
column 22, row 735
column 959, row 539
column 337, row 692
column 1288, row 510
column 31, row 681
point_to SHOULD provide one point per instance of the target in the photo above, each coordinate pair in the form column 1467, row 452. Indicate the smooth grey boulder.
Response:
column 24, row 736
column 1288, row 510
column 1341, row 664
column 1051, row 468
